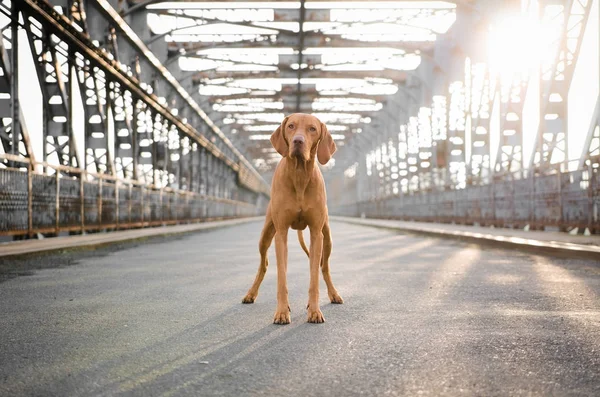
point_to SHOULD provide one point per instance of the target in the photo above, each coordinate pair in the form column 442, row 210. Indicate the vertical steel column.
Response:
column 480, row 111
column 591, row 189
column 180, row 168
column 209, row 175
column 117, row 205
column 165, row 132
column 592, row 140
column 57, row 202
column 203, row 174
column 14, row 86
column 222, row 179
column 155, row 140
column 130, row 201
column 439, row 134
column 73, row 154
column 192, row 164
column 30, row 201
column 134, row 139
column 100, row 177
column 82, row 200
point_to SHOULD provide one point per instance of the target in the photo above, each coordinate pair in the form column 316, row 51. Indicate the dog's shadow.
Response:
column 193, row 355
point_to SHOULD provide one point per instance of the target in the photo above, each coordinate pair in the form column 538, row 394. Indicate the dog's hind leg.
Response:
column 334, row 297
column 266, row 237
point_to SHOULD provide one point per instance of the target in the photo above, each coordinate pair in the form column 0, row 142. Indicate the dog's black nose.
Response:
column 298, row 140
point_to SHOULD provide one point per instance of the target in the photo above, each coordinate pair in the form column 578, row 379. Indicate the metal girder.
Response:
column 291, row 109
column 95, row 93
column 9, row 107
column 556, row 79
column 345, row 107
column 366, row 141
column 288, row 95
column 480, row 113
column 14, row 84
column 309, row 62
column 146, row 3
column 313, row 40
column 591, row 146
column 297, row 65
column 113, row 100
column 509, row 157
column 62, row 27
column 121, row 104
column 242, row 133
column 95, row 104
column 129, row 35
column 467, row 96
column 186, row 99
column 54, row 75
column 203, row 22
column 395, row 76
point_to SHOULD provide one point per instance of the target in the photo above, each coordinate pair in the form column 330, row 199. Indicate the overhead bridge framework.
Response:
column 499, row 125
column 142, row 151
column 156, row 112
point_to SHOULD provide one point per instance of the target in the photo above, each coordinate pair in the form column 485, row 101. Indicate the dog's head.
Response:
column 304, row 137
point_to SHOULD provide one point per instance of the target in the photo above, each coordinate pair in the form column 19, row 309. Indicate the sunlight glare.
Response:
column 514, row 46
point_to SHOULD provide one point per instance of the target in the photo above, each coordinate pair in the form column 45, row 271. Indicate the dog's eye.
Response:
column 291, row 126
column 312, row 129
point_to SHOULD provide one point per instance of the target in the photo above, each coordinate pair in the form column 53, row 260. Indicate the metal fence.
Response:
column 75, row 200
column 563, row 200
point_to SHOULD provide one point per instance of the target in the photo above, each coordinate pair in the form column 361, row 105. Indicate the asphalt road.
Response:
column 422, row 316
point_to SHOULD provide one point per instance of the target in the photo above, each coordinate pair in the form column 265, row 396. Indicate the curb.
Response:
column 554, row 248
column 26, row 247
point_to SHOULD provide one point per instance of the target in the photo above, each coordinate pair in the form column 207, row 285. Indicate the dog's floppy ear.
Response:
column 326, row 147
column 278, row 140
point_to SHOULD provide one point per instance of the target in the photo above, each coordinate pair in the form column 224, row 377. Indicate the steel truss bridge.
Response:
column 151, row 111
column 502, row 143
column 167, row 162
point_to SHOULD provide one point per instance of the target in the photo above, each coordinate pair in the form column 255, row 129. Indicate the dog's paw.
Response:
column 282, row 317
column 315, row 316
column 249, row 298
column 336, row 298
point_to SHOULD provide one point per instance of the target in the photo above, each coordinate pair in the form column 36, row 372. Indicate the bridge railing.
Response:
column 71, row 199
column 563, row 200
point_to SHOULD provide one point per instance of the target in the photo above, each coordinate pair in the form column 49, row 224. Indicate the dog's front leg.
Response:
column 316, row 249
column 282, row 313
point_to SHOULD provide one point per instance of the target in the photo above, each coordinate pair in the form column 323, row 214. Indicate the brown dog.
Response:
column 298, row 200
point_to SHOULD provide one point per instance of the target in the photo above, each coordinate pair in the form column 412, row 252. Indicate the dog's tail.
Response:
column 302, row 244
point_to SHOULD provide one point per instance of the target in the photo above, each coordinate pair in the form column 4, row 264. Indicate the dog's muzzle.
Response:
column 298, row 141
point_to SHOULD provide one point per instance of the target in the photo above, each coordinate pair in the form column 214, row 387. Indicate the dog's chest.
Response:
column 299, row 222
